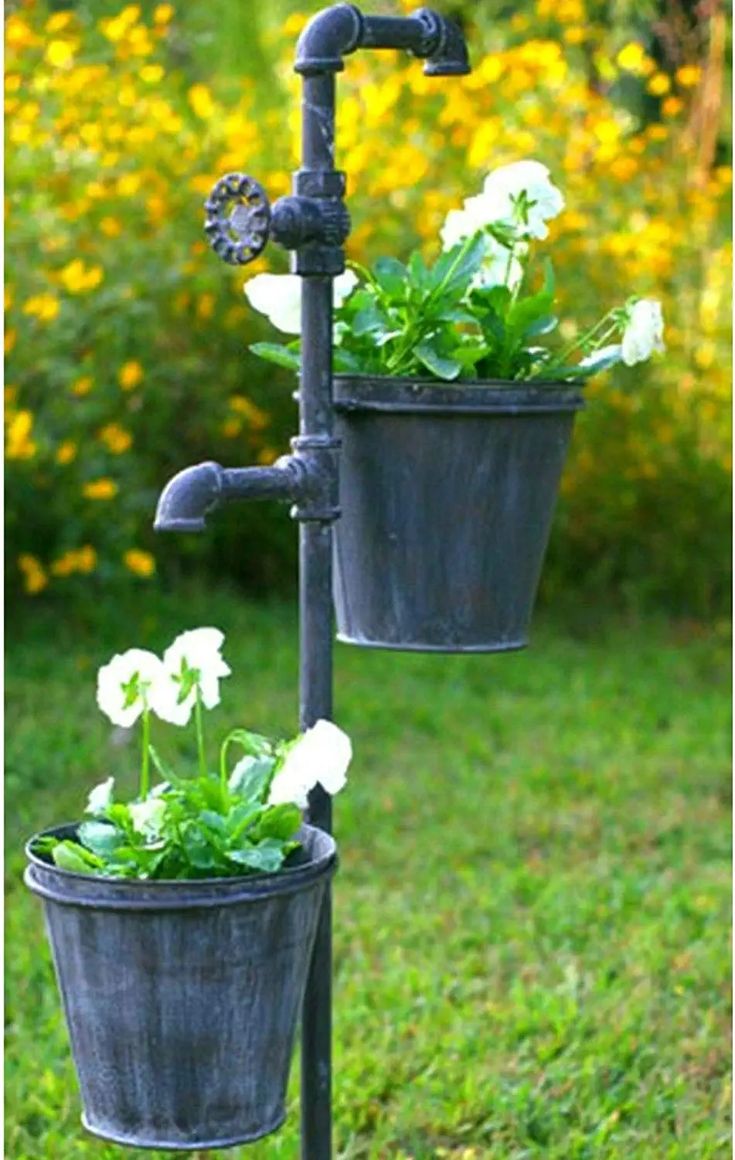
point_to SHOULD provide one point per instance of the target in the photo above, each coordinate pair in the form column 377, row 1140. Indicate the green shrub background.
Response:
column 126, row 339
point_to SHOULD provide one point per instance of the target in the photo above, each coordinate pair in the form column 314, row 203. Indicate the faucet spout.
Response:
column 187, row 498
column 190, row 496
column 334, row 32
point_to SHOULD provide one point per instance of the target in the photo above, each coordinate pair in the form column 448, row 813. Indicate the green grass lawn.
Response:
column 531, row 941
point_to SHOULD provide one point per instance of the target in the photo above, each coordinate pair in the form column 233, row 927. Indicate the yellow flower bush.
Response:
column 126, row 339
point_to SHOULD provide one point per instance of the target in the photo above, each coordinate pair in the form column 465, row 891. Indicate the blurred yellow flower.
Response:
column 18, row 442
column 9, row 339
column 18, row 35
column 294, row 24
column 151, row 73
column 59, row 53
column 257, row 419
column 66, row 452
column 201, row 102
column 100, row 489
column 35, row 578
column 672, row 106
column 82, row 560
column 633, row 59
column 58, row 22
column 138, row 562
column 688, row 76
column 658, row 84
column 78, row 278
column 163, row 13
column 82, row 386
column 205, row 306
column 44, row 307
column 130, row 375
column 116, row 438
column 128, row 184
column 110, row 227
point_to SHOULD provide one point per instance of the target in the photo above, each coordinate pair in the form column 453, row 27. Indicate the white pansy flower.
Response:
column 278, row 296
column 498, row 267
column 503, row 188
column 321, row 755
column 644, row 332
column 148, row 815
column 100, row 797
column 192, row 662
column 126, row 684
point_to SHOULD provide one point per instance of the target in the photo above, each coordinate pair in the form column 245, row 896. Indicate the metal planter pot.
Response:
column 182, row 998
column 447, row 495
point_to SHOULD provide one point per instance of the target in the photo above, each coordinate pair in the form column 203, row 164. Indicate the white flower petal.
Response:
column 601, row 355
column 112, row 679
column 504, row 186
column 322, row 754
column 344, row 284
column 278, row 296
column 644, row 332
column 148, row 815
column 165, row 703
column 100, row 797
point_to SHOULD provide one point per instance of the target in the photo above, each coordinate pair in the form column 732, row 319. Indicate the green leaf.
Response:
column 543, row 325
column 457, row 267
column 251, row 777
column 267, row 857
column 392, row 276
column 281, row 821
column 368, row 320
column 443, row 368
column 275, row 353
column 101, row 838
column 68, row 855
column 418, row 270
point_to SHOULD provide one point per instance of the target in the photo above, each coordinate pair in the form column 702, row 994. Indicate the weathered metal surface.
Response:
column 337, row 31
column 447, row 496
column 182, row 998
column 314, row 223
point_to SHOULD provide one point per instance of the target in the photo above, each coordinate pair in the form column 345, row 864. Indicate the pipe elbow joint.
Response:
column 327, row 38
column 448, row 55
column 187, row 498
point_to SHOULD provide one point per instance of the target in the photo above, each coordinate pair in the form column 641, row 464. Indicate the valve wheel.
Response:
column 238, row 218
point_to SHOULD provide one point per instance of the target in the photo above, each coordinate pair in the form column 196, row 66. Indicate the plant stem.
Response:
column 145, row 780
column 200, row 734
column 223, row 764
column 587, row 336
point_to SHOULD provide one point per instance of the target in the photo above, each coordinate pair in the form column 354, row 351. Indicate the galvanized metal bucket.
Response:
column 447, row 495
column 182, row 998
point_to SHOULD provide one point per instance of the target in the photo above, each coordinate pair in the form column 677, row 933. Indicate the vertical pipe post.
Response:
column 315, row 605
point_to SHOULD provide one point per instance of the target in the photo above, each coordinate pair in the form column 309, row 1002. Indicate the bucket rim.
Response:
column 409, row 394
column 75, row 889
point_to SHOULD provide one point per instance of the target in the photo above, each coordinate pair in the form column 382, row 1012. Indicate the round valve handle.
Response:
column 238, row 219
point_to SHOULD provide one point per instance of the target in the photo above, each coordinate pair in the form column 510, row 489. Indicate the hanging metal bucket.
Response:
column 447, row 495
column 182, row 998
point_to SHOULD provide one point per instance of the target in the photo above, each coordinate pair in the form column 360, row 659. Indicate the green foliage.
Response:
column 533, row 901
column 200, row 827
column 407, row 320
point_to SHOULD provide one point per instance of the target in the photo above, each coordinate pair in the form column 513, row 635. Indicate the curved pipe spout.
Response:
column 190, row 496
column 334, row 32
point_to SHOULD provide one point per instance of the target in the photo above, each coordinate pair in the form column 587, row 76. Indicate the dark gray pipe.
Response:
column 190, row 496
column 335, row 32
